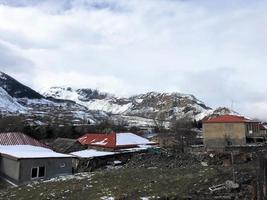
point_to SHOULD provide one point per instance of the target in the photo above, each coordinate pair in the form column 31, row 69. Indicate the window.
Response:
column 34, row 172
column 62, row 165
column 41, row 171
column 38, row 172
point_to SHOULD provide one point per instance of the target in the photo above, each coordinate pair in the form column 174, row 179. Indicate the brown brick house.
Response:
column 230, row 130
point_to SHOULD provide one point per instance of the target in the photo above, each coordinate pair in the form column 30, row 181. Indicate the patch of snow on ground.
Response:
column 107, row 198
column 78, row 176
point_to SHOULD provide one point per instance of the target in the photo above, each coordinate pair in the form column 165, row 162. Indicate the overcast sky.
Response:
column 214, row 49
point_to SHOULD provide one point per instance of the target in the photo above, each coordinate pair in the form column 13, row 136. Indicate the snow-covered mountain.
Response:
column 65, row 105
column 152, row 105
column 16, row 98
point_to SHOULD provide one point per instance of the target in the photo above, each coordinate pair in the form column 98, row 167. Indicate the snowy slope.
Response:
column 151, row 105
column 89, row 98
column 8, row 104
column 16, row 98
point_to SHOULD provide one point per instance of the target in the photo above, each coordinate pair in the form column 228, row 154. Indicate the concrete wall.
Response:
column 19, row 171
column 218, row 135
column 9, row 168
column 53, row 167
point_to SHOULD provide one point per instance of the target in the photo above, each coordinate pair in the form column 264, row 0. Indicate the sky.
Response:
column 213, row 49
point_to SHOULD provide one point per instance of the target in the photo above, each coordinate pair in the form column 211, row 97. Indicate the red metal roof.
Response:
column 98, row 139
column 228, row 119
column 114, row 140
column 17, row 138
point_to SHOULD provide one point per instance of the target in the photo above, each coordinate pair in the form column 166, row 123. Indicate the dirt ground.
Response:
column 144, row 177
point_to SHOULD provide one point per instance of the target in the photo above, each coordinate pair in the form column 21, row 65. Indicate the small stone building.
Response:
column 230, row 130
column 67, row 145
column 24, row 159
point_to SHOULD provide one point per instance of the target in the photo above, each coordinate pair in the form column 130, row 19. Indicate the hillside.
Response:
column 152, row 105
column 9, row 104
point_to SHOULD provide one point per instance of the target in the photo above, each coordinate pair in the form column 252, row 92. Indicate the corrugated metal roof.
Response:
column 17, row 138
column 99, row 139
column 114, row 140
column 228, row 119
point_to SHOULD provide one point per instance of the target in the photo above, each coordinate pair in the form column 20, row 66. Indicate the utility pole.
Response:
column 233, row 168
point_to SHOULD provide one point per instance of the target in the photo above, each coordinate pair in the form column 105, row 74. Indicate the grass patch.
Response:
column 120, row 184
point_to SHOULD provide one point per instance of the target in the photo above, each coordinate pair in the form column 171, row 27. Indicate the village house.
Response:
column 104, row 149
column 24, row 159
column 231, row 130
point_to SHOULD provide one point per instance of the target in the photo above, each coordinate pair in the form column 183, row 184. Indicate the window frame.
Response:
column 38, row 172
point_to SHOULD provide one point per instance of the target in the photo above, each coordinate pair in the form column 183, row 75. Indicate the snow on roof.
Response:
column 29, row 151
column 130, row 138
column 138, row 148
column 90, row 153
column 97, row 139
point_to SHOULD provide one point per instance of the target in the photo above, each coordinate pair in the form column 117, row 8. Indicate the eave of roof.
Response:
column 230, row 119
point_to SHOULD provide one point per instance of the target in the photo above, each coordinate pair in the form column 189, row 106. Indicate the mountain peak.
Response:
column 17, row 89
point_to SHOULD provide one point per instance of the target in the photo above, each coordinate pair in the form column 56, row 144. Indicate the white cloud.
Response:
column 215, row 51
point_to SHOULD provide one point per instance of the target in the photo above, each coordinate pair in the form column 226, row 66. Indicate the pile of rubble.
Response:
column 171, row 159
column 163, row 159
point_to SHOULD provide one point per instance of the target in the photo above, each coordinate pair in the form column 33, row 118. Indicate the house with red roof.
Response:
column 230, row 130
column 114, row 141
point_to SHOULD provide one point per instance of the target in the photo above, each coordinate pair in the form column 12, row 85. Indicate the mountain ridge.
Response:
column 149, row 105
column 65, row 105
column 16, row 89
